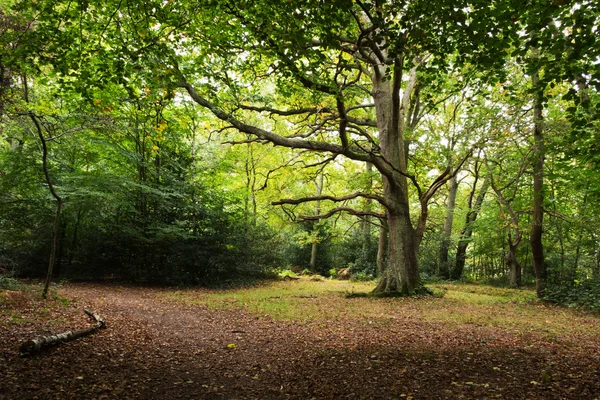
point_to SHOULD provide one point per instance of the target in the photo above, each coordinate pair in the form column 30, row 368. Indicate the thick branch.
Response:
column 351, row 211
column 281, row 140
column 36, row 344
column 286, row 113
column 311, row 110
column 379, row 199
column 343, row 123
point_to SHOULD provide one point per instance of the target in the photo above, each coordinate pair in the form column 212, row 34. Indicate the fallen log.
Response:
column 36, row 344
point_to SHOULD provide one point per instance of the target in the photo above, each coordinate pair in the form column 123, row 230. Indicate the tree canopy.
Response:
column 186, row 138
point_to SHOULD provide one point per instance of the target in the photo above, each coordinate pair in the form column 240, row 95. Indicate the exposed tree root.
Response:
column 422, row 291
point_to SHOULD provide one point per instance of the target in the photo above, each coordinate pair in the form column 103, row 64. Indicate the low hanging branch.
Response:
column 36, row 344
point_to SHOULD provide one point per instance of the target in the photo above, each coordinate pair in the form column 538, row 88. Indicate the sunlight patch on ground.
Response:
column 462, row 304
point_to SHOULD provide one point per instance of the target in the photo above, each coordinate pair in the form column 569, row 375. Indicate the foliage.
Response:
column 286, row 272
column 152, row 196
column 361, row 277
column 9, row 283
column 583, row 294
column 358, row 252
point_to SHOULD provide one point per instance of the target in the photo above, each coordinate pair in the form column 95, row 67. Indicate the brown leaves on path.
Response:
column 155, row 347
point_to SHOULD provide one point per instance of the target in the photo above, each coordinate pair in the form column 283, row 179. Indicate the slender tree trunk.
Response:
column 513, row 266
column 535, row 236
column 596, row 273
column 365, row 225
column 580, row 236
column 315, row 243
column 250, row 198
column 56, row 226
column 467, row 230
column 444, row 267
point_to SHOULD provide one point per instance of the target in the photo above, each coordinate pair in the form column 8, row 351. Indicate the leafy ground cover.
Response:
column 299, row 339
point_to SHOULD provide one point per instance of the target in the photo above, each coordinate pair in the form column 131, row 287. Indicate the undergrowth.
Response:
column 583, row 295
column 9, row 283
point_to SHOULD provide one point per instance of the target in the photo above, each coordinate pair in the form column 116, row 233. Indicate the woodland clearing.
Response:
column 299, row 340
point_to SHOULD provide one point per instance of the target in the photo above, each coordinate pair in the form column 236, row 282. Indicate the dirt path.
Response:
column 155, row 348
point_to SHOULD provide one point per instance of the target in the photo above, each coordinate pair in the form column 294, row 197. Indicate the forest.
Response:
column 415, row 148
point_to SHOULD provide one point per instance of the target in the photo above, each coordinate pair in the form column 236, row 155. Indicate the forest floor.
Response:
column 298, row 340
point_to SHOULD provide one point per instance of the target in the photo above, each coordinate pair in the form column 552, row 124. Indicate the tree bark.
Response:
column 36, row 344
column 365, row 225
column 402, row 274
column 382, row 247
column 535, row 237
column 596, row 272
column 573, row 269
column 444, row 267
column 315, row 243
column 514, row 268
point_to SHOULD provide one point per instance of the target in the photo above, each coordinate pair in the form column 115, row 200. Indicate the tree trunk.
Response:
column 56, row 225
column 444, row 267
column 250, row 198
column 596, row 273
column 514, row 268
column 467, row 230
column 315, row 243
column 381, row 248
column 535, row 237
column 401, row 277
column 580, row 235
column 365, row 225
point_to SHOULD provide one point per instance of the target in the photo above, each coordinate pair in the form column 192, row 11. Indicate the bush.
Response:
column 357, row 252
column 8, row 283
column 426, row 278
column 361, row 277
column 584, row 295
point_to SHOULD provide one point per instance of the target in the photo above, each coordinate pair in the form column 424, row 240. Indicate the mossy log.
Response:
column 36, row 344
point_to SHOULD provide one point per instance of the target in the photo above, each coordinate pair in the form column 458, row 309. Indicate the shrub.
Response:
column 8, row 283
column 361, row 277
column 584, row 295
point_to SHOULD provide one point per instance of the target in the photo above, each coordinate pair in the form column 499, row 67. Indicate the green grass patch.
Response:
column 302, row 299
column 484, row 294
column 462, row 304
